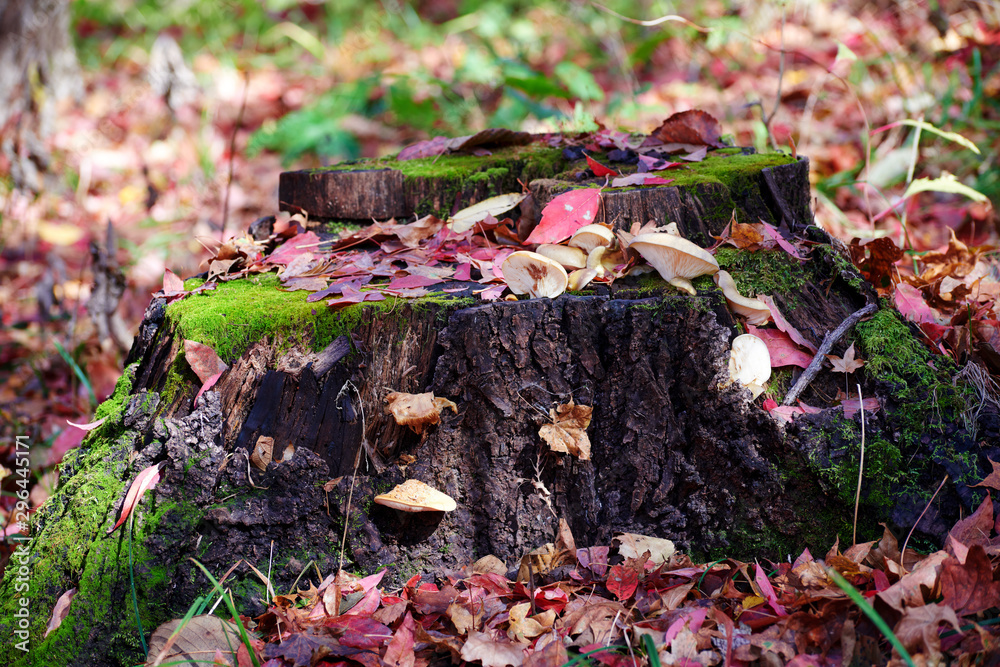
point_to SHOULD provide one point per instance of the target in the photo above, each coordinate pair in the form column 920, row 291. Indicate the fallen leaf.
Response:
column 918, row 630
column 639, row 179
column 968, row 587
column 262, row 452
column 522, row 629
column 88, row 427
column 694, row 127
column 467, row 218
column 145, row 480
column 622, row 581
column 783, row 350
column 876, row 259
column 480, row 646
column 632, row 545
column 59, row 611
column 782, row 323
column 598, row 168
column 992, row 481
column 417, row 411
column 847, row 363
column 568, row 431
column 399, row 652
column 177, row 642
column 773, row 234
column 565, row 214
column 911, row 304
column 203, row 360
column 851, row 406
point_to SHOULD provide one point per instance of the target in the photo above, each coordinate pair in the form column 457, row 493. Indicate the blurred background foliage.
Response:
column 454, row 67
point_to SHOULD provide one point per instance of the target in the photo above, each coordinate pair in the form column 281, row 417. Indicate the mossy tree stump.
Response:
column 676, row 453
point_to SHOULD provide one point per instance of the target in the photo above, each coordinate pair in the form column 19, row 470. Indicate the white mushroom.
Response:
column 533, row 274
column 589, row 237
column 569, row 258
column 415, row 496
column 750, row 363
column 580, row 278
column 754, row 310
column 596, row 258
column 676, row 259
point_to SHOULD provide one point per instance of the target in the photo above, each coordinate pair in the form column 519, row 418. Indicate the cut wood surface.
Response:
column 774, row 192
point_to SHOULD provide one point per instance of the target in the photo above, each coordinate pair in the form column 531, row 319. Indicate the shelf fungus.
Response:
column 535, row 275
column 750, row 363
column 754, row 310
column 415, row 496
column 676, row 259
column 417, row 411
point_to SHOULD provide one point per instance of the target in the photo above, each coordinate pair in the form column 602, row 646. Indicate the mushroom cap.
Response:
column 569, row 258
column 581, row 278
column 754, row 310
column 750, row 363
column 589, row 237
column 415, row 496
column 674, row 258
column 533, row 274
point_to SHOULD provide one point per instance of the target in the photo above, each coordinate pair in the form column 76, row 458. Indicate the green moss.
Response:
column 843, row 265
column 921, row 382
column 239, row 313
column 762, row 272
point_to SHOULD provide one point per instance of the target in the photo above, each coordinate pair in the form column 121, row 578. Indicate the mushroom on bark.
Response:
column 750, row 363
column 415, row 496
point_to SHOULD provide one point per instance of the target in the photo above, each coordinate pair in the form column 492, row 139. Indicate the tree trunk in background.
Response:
column 38, row 68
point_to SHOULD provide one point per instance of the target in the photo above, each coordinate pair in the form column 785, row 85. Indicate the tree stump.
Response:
column 677, row 452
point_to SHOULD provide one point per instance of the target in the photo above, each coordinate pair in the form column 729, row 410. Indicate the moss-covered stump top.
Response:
column 701, row 197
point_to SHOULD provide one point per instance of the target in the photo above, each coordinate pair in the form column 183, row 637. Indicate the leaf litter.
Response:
column 604, row 601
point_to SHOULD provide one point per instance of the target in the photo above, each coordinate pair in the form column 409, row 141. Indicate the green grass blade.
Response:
column 80, row 375
column 872, row 615
column 232, row 610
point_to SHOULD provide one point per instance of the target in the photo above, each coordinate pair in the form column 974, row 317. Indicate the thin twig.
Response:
column 861, row 467
column 767, row 118
column 902, row 552
column 354, row 473
column 232, row 151
column 828, row 342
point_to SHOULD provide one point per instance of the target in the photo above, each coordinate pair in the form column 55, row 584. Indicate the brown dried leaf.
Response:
column 969, row 588
column 568, row 431
column 847, row 364
column 59, row 611
column 480, row 646
column 262, row 452
column 918, row 630
column 875, row 258
column 691, row 127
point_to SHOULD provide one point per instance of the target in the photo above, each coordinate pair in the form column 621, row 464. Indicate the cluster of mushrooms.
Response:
column 593, row 253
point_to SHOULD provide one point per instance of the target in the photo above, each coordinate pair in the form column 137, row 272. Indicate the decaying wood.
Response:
column 812, row 370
